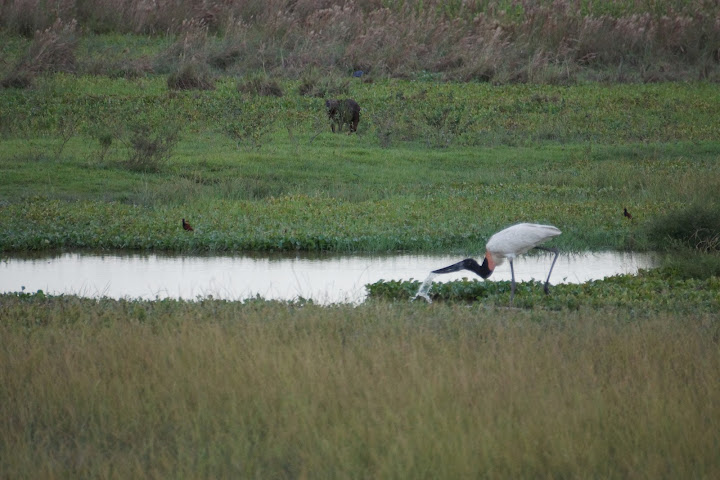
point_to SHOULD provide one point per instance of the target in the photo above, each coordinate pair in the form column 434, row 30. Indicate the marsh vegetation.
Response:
column 225, row 389
column 499, row 41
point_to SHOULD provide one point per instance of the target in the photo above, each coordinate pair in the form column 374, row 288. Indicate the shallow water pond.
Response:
column 325, row 279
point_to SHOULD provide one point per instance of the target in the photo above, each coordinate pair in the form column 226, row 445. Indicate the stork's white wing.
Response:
column 520, row 238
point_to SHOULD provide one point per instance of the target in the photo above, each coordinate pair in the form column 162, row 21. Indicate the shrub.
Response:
column 191, row 75
column 17, row 79
column 228, row 51
column 696, row 227
column 249, row 125
column 690, row 265
column 52, row 50
column 224, row 58
column 261, row 85
column 314, row 84
column 149, row 152
column 693, row 233
column 187, row 60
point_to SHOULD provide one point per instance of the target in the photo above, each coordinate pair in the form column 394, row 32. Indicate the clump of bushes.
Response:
column 150, row 152
column 685, row 265
column 150, row 141
column 261, row 85
column 191, row 75
column 692, row 235
column 52, row 50
column 696, row 227
column 187, row 60
column 314, row 84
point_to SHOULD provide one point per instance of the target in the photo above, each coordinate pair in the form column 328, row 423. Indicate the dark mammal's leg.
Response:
column 351, row 114
column 334, row 112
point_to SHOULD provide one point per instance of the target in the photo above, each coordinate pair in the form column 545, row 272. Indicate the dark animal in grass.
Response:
column 627, row 214
column 343, row 112
column 186, row 226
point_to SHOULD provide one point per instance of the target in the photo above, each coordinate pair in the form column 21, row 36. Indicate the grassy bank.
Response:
column 99, row 163
column 370, row 201
column 113, row 389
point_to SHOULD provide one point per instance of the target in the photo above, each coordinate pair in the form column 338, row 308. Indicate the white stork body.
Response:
column 508, row 243
column 517, row 240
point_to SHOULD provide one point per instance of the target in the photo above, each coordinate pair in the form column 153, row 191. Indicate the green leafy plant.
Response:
column 150, row 142
column 446, row 121
column 249, row 125
column 657, row 290
column 149, row 152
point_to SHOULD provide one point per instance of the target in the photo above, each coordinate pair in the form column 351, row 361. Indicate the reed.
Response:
column 557, row 42
column 111, row 389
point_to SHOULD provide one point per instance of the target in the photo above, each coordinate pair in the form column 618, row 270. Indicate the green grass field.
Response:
column 434, row 166
column 611, row 379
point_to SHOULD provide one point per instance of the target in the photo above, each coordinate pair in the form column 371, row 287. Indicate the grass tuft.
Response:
column 261, row 85
column 52, row 50
column 696, row 227
column 316, row 84
column 149, row 151
column 686, row 265
column 191, row 75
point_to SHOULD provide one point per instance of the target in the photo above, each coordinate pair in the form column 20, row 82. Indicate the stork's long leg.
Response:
column 512, row 285
column 556, row 252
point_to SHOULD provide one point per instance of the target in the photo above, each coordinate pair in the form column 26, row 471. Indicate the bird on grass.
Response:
column 509, row 244
column 187, row 226
column 627, row 214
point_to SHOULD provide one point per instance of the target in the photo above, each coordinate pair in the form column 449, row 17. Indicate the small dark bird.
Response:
column 627, row 214
column 187, row 226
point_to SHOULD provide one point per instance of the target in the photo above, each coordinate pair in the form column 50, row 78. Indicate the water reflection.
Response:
column 323, row 278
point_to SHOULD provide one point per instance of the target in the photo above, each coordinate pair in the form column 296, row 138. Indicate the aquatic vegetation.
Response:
column 650, row 291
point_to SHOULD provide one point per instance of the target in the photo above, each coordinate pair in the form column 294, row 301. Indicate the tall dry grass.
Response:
column 155, row 390
column 499, row 41
column 52, row 50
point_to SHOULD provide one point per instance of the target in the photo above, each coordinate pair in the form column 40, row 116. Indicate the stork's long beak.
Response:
column 468, row 264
